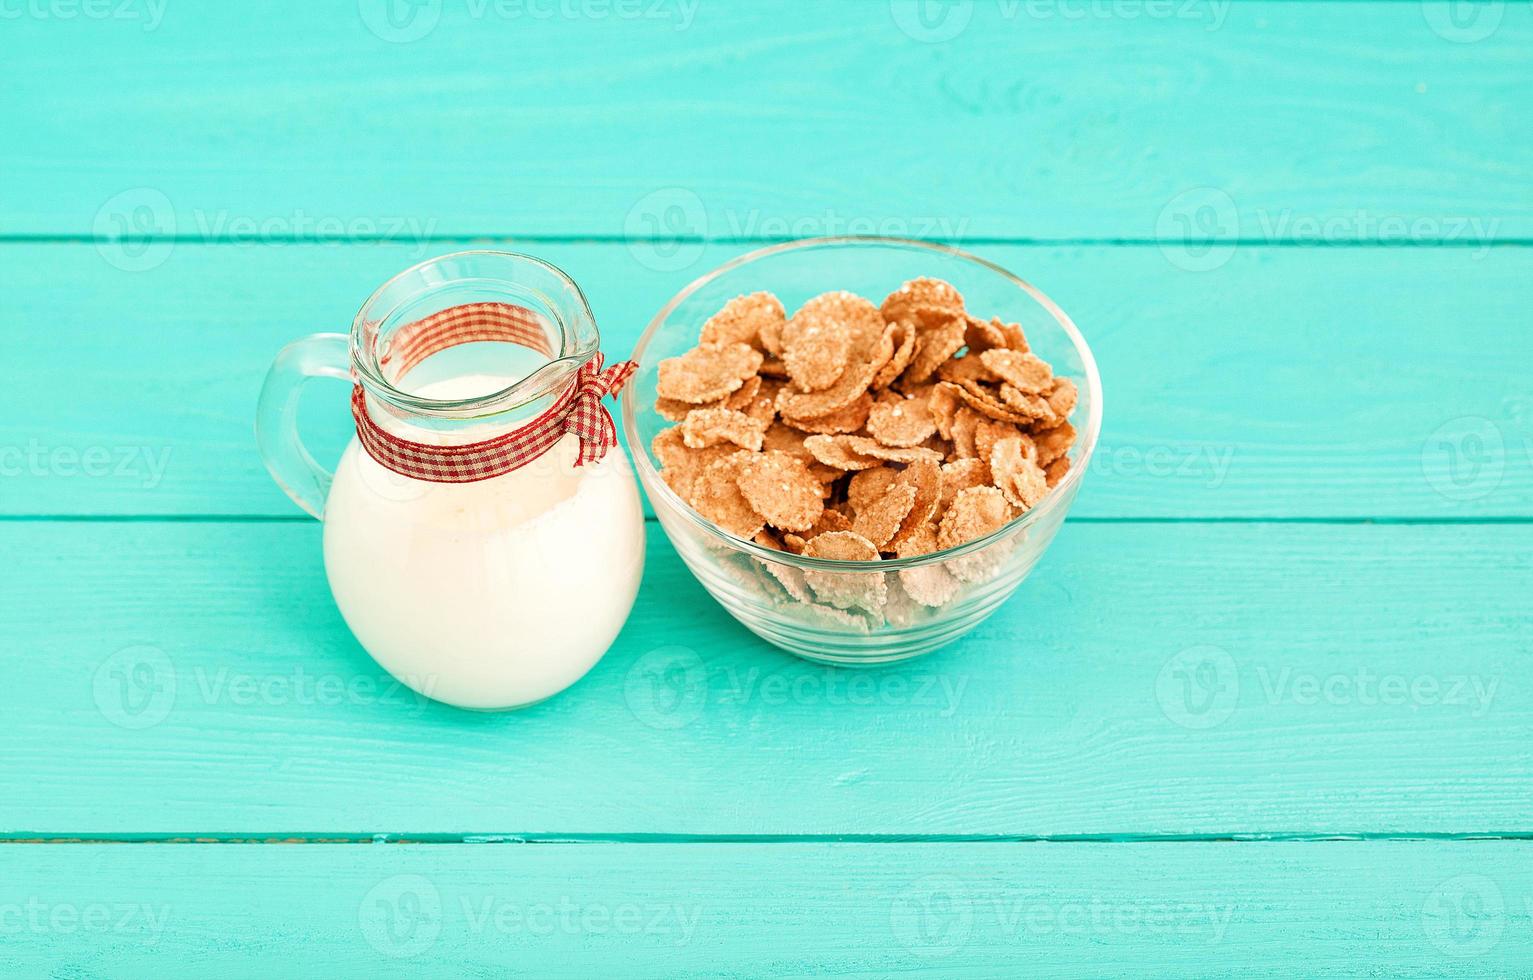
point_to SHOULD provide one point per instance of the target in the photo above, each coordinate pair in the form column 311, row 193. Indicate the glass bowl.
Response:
column 845, row 612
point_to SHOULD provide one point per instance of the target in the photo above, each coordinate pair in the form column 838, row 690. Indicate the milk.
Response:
column 492, row 594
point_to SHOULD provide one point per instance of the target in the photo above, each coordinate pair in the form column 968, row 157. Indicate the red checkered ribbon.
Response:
column 578, row 408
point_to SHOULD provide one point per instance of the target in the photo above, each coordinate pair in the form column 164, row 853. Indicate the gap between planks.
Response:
column 762, row 240
column 1276, row 837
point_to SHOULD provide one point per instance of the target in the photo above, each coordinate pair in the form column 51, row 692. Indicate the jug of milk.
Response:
column 483, row 536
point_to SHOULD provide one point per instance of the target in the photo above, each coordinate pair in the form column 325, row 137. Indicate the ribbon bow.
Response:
column 588, row 418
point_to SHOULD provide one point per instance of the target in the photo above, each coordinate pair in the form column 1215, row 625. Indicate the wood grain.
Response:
column 1337, row 122
column 194, row 679
column 1406, row 908
column 1285, row 384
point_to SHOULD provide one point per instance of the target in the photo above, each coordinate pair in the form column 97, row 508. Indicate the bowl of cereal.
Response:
column 861, row 446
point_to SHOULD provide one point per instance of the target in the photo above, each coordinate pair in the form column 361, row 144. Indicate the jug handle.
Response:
column 321, row 355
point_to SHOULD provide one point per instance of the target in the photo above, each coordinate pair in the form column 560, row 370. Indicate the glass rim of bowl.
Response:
column 1057, row 495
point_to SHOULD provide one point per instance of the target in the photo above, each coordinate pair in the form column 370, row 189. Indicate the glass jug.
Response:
column 483, row 539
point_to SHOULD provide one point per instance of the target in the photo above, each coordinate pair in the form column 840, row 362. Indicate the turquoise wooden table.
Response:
column 1266, row 707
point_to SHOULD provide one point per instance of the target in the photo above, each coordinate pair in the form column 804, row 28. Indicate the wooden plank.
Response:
column 195, row 679
column 1287, row 383
column 1396, row 908
column 1329, row 121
